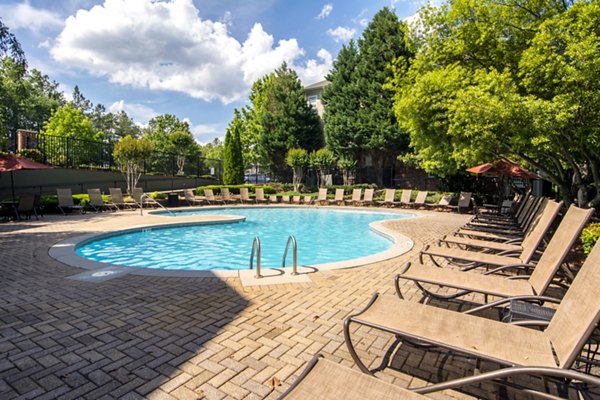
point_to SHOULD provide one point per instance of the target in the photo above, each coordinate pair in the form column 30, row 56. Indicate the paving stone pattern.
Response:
column 137, row 337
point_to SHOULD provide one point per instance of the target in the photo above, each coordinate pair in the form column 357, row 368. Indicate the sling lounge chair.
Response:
column 210, row 197
column 296, row 199
column 339, row 197
column 273, row 198
column 116, row 196
column 557, row 346
column 65, row 201
column 26, row 207
column 285, row 199
column 367, row 198
column 322, row 198
column 510, row 255
column 227, row 197
column 464, row 202
column 142, row 199
column 326, row 380
column 245, row 197
column 405, row 198
column 420, row 200
column 260, row 195
column 440, row 205
column 356, row 195
column 308, row 200
column 389, row 198
column 98, row 204
column 501, row 286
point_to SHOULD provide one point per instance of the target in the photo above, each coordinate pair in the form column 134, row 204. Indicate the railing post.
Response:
column 256, row 247
column 291, row 240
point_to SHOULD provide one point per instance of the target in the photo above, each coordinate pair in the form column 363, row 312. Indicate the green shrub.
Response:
column 589, row 236
column 158, row 196
column 235, row 189
column 81, row 200
column 32, row 154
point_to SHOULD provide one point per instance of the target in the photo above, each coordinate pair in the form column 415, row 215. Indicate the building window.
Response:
column 312, row 100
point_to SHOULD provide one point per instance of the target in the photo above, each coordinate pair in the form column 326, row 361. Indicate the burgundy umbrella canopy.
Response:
column 503, row 167
column 13, row 163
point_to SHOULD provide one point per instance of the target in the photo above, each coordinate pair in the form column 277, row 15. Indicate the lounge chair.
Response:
column 405, row 198
column 540, row 227
column 273, row 198
column 356, row 196
column 191, row 199
column 339, row 197
column 512, row 255
column 210, row 197
column 445, row 201
column 501, row 286
column 296, row 199
column 420, row 200
column 26, row 207
column 227, row 197
column 245, row 197
column 260, row 195
column 98, row 204
column 322, row 198
column 557, row 346
column 390, row 195
column 65, row 201
column 367, row 198
column 464, row 202
column 308, row 200
column 323, row 379
column 142, row 199
column 116, row 196
column 285, row 199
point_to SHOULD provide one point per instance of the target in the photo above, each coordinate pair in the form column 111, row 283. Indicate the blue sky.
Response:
column 195, row 59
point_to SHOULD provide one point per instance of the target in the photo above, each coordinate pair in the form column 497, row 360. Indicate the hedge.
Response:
column 235, row 189
column 589, row 236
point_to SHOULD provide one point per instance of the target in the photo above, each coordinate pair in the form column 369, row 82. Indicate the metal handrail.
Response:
column 160, row 205
column 256, row 247
column 291, row 240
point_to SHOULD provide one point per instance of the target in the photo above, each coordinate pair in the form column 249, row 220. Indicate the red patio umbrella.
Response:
column 13, row 163
column 503, row 167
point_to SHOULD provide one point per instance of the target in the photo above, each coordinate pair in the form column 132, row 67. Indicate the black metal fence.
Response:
column 68, row 152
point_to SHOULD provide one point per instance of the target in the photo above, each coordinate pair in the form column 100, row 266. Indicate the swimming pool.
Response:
column 323, row 236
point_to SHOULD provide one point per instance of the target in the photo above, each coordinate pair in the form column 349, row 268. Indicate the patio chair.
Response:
column 260, row 195
column 285, row 199
column 326, row 380
column 519, row 224
column 420, row 200
column 464, row 202
column 245, row 197
column 142, row 199
column 210, row 197
column 191, row 199
column 26, row 207
column 557, row 346
column 296, row 199
column 367, row 198
column 273, row 198
column 356, row 196
column 388, row 199
column 116, row 196
column 308, row 200
column 502, row 286
column 98, row 204
column 444, row 201
column 65, row 201
column 322, row 197
column 339, row 197
column 540, row 227
column 512, row 255
column 227, row 197
column 405, row 198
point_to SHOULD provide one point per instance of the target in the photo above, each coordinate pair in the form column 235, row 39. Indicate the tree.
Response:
column 347, row 165
column 382, row 42
column 70, row 122
column 10, row 46
column 183, row 145
column 322, row 161
column 213, row 154
column 342, row 103
column 80, row 102
column 233, row 162
column 297, row 159
column 252, row 116
column 511, row 79
column 287, row 121
column 131, row 154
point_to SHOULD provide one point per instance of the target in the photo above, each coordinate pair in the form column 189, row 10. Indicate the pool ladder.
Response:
column 256, row 249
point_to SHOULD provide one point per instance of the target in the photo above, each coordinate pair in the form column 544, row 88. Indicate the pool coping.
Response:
column 64, row 251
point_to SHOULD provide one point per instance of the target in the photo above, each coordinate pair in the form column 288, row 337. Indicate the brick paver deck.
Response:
column 189, row 338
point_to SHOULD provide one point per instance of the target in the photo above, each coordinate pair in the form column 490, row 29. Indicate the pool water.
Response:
column 322, row 236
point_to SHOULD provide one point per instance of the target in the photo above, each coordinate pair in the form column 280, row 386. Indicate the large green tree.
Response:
column 252, row 115
column 515, row 79
column 69, row 121
column 233, row 162
column 10, row 46
column 287, row 121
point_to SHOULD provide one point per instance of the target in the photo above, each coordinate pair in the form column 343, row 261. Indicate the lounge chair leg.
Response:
column 348, row 341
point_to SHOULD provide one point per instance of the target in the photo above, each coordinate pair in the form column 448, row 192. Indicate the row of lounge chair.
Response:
column 529, row 338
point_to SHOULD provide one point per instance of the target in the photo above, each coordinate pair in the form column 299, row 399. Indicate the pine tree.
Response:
column 233, row 163
column 288, row 121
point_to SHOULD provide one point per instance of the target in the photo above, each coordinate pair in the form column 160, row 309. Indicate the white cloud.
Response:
column 205, row 133
column 360, row 18
column 166, row 46
column 325, row 11
column 140, row 113
column 315, row 71
column 341, row 33
column 24, row 16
